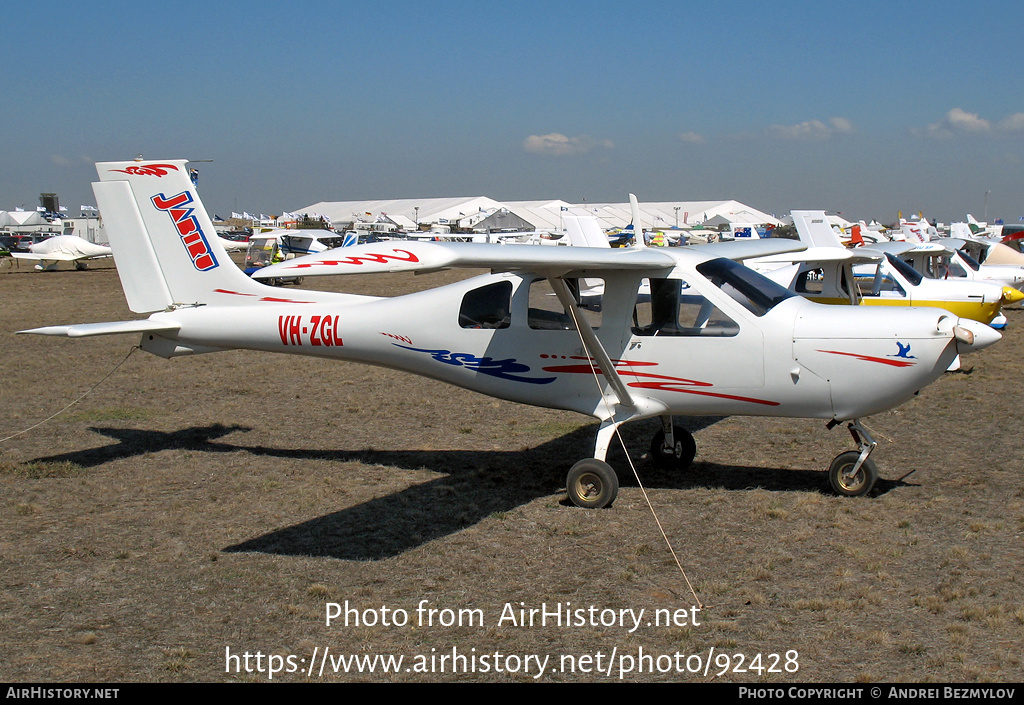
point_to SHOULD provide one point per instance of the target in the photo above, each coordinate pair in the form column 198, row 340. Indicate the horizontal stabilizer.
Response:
column 84, row 330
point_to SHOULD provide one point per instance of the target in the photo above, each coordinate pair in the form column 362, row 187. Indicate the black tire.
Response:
column 678, row 458
column 592, row 484
column 856, row 486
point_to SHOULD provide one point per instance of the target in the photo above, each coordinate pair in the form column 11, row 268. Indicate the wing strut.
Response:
column 590, row 340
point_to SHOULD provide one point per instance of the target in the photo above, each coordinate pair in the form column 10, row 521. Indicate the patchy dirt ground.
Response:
column 188, row 512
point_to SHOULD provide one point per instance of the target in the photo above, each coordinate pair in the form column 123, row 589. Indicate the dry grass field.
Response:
column 188, row 512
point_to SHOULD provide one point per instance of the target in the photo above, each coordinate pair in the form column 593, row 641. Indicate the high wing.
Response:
column 408, row 256
column 897, row 248
column 404, row 256
column 749, row 249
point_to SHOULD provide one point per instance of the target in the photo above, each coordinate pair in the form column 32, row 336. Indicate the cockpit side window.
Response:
column 487, row 307
column 674, row 309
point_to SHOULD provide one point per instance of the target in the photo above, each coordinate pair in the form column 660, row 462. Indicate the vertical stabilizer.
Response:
column 164, row 244
column 584, row 231
column 960, row 230
column 814, row 230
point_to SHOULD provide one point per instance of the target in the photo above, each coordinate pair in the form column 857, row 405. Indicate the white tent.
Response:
column 543, row 215
column 405, row 211
column 21, row 218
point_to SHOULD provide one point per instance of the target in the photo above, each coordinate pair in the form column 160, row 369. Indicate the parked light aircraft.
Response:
column 825, row 273
column 953, row 262
column 967, row 254
column 63, row 248
column 734, row 343
column 987, row 249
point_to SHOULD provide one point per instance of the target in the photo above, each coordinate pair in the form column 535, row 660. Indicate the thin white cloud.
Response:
column 58, row 160
column 811, row 130
column 841, row 125
column 691, row 137
column 558, row 145
column 968, row 122
column 1014, row 123
column 960, row 122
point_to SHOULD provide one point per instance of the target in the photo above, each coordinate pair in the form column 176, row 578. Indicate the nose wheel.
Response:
column 849, row 480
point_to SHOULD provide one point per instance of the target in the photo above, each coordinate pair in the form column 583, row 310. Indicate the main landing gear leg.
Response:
column 592, row 483
column 853, row 473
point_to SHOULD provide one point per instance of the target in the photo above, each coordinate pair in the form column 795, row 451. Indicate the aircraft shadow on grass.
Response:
column 475, row 485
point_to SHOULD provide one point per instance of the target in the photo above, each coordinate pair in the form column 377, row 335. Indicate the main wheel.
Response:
column 858, row 485
column 680, row 456
column 592, row 484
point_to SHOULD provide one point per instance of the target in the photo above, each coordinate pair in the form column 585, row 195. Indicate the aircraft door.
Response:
column 693, row 336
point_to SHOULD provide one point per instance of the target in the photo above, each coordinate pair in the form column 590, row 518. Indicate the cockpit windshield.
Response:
column 911, row 274
column 971, row 262
column 756, row 293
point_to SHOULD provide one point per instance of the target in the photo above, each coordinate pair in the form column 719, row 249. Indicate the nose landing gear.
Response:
column 853, row 473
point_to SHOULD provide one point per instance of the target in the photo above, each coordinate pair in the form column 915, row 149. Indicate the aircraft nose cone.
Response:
column 1011, row 295
column 973, row 335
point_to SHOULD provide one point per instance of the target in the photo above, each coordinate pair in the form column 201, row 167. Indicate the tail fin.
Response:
column 960, row 230
column 814, row 230
column 974, row 225
column 856, row 239
column 163, row 240
column 584, row 231
column 916, row 231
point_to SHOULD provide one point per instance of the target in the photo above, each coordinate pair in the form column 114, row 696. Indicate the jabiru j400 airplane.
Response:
column 711, row 338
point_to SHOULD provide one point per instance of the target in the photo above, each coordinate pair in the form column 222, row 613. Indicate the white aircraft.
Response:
column 734, row 343
column 917, row 230
column 829, row 273
column 63, row 248
column 953, row 262
column 232, row 245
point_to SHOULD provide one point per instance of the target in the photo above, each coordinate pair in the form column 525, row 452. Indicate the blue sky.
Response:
column 865, row 108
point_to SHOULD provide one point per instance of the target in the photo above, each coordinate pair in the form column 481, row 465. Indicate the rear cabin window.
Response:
column 809, row 281
column 487, row 307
